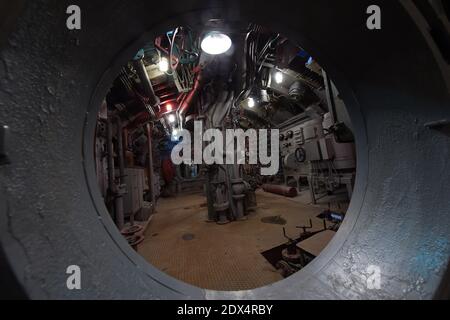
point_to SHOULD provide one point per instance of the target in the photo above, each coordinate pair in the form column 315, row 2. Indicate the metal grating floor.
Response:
column 221, row 257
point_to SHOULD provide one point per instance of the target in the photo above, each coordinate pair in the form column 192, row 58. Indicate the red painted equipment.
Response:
column 168, row 170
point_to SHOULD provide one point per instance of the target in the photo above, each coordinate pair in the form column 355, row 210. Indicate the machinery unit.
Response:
column 309, row 150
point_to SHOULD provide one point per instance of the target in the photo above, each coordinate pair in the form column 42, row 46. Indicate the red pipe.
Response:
column 282, row 190
column 192, row 95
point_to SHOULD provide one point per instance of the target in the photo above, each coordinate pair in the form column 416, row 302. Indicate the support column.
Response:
column 120, row 188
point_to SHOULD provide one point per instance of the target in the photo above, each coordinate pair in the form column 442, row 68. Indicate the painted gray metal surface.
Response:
column 52, row 81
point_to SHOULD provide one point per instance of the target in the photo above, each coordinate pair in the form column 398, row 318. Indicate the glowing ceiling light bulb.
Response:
column 216, row 43
column 163, row 64
column 169, row 107
column 251, row 102
column 278, row 77
column 171, row 118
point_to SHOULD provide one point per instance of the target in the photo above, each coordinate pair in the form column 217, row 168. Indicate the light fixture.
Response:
column 169, row 107
column 278, row 77
column 216, row 43
column 174, row 136
column 250, row 102
column 171, row 118
column 163, row 64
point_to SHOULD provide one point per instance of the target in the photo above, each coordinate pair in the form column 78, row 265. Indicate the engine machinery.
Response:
column 309, row 150
column 260, row 80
